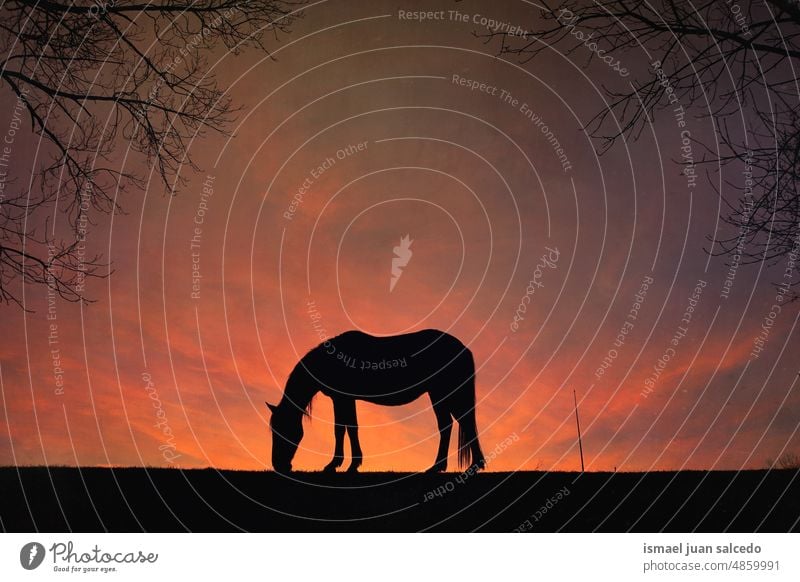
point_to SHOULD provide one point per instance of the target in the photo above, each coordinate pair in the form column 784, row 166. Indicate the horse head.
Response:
column 287, row 431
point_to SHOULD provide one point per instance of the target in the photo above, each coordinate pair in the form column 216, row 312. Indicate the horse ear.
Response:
column 271, row 407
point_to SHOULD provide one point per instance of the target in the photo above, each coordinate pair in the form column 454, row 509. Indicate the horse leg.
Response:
column 445, row 422
column 351, row 422
column 338, row 432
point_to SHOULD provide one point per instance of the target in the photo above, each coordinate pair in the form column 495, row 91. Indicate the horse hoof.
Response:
column 353, row 468
column 329, row 469
column 437, row 468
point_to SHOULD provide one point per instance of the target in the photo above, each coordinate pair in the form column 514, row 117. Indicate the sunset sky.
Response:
column 473, row 180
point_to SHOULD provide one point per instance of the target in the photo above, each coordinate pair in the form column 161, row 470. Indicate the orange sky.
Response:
column 482, row 194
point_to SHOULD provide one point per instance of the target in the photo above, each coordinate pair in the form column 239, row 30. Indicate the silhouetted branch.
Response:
column 91, row 75
column 735, row 62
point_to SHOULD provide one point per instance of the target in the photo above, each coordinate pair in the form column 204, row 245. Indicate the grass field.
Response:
column 164, row 500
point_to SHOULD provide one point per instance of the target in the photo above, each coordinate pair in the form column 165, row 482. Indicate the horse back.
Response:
column 390, row 370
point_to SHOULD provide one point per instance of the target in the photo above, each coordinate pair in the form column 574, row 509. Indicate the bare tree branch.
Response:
column 740, row 56
column 91, row 75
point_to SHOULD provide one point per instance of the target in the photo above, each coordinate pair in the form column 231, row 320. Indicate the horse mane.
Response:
column 307, row 411
column 299, row 377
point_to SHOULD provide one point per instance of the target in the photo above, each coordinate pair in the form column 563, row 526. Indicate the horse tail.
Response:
column 464, row 454
column 467, row 426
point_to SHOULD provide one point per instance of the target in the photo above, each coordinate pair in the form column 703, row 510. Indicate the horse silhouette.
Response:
column 390, row 371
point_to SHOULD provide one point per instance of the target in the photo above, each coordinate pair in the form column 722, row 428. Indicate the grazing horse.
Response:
column 391, row 371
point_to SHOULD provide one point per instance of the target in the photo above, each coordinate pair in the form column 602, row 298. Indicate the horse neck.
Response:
column 300, row 389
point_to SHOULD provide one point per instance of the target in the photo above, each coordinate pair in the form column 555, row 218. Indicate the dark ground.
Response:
column 162, row 500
